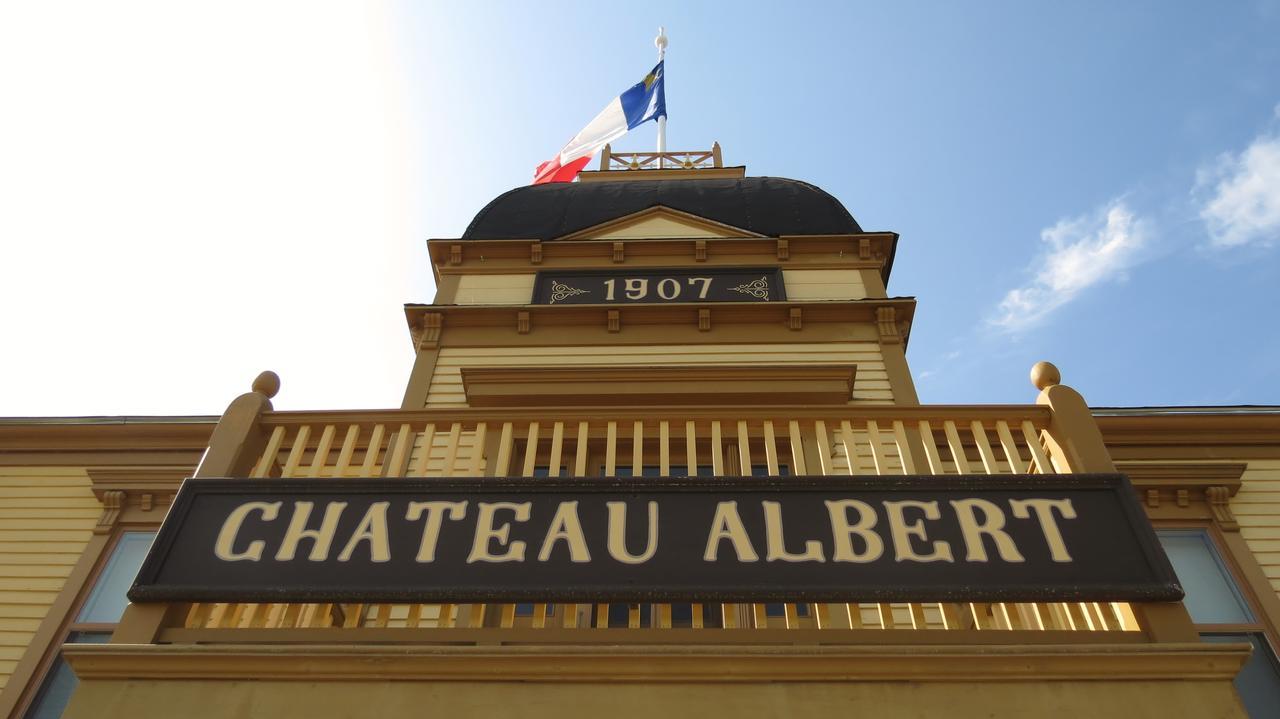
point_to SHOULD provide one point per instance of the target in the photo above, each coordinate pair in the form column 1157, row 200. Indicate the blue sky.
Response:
column 196, row 193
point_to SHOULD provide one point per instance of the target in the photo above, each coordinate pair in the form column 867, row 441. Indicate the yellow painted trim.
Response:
column 666, row 664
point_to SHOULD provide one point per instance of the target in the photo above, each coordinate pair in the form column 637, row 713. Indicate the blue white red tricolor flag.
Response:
column 645, row 101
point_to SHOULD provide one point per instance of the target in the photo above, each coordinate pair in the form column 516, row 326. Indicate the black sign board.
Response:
column 607, row 287
column 958, row 538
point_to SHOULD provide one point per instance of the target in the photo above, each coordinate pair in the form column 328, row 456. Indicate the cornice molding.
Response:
column 612, row 664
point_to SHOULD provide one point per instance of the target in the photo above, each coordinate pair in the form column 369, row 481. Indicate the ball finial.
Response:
column 1044, row 375
column 267, row 383
column 660, row 41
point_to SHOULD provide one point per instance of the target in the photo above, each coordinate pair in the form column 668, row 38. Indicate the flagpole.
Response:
column 660, row 42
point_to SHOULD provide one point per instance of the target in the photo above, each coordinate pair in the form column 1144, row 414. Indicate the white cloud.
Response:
column 1244, row 207
column 1082, row 252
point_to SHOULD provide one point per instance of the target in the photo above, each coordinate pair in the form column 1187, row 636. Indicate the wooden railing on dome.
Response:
column 683, row 160
column 721, row 441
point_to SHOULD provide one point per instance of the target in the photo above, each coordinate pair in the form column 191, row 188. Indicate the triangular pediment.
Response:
column 659, row 222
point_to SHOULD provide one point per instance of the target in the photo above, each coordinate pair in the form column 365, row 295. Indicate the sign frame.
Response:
column 1161, row 584
column 546, row 293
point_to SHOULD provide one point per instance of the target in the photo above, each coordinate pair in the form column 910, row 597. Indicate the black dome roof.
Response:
column 769, row 206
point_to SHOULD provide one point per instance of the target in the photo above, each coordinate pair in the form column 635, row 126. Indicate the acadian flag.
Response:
column 643, row 102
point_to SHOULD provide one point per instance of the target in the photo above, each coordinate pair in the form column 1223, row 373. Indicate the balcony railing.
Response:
column 703, row 441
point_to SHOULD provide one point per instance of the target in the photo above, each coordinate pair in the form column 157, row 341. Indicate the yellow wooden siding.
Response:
column 46, row 518
column 1257, row 509
column 495, row 289
column 824, row 284
column 871, row 385
column 656, row 227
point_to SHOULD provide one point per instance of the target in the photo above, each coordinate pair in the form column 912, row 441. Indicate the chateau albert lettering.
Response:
column 605, row 287
column 1041, row 538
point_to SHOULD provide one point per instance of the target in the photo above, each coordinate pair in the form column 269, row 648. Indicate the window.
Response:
column 1222, row 613
column 94, row 622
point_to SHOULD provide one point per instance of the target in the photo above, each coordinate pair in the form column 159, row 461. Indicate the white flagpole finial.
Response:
column 660, row 42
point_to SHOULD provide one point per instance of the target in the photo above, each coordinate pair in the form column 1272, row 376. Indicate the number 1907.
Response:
column 667, row 288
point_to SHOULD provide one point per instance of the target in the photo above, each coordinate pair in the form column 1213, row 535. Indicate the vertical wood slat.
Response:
column 850, row 448
column 530, row 451
column 957, row 448
column 347, row 451
column 824, row 447
column 744, row 449
column 299, row 446
column 1010, row 447
column 1032, row 438
column 771, row 450
column 717, row 450
column 797, row 449
column 580, row 461
column 664, row 464
column 476, row 466
column 931, row 448
column 557, row 447
column 664, row 616
column 423, row 463
column 372, row 452
column 877, row 448
column 791, row 615
column 691, row 448
column 637, row 449
column 403, row 445
column 451, row 445
column 904, row 449
column 502, row 465
column 321, row 456
column 984, row 447
column 269, row 455
column 611, row 449
column 695, row 616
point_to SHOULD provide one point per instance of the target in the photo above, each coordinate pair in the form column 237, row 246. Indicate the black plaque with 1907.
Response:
column 635, row 286
column 825, row 539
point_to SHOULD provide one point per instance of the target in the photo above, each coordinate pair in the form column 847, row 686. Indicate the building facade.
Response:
column 666, row 316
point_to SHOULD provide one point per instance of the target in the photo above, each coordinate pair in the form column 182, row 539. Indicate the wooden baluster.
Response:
column 918, row 619
column 717, row 450
column 348, row 450
column 664, row 448
column 885, row 610
column 1011, row 453
column 771, row 450
column 797, row 449
column 904, row 449
column 270, row 454
column 422, row 464
column 611, row 449
column 530, row 451
column 368, row 467
column 760, row 616
column 850, row 448
column 502, row 465
column 445, row 619
column 637, row 449
column 476, row 465
column 451, row 444
column 984, row 447
column 1040, row 463
column 824, row 447
column 877, row 448
column 580, row 461
column 321, row 456
column 557, row 448
column 664, row 616
column 957, row 448
column 792, row 615
column 296, row 451
column 401, row 447
column 744, row 449
column 691, row 448
column 695, row 615
column 931, row 449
